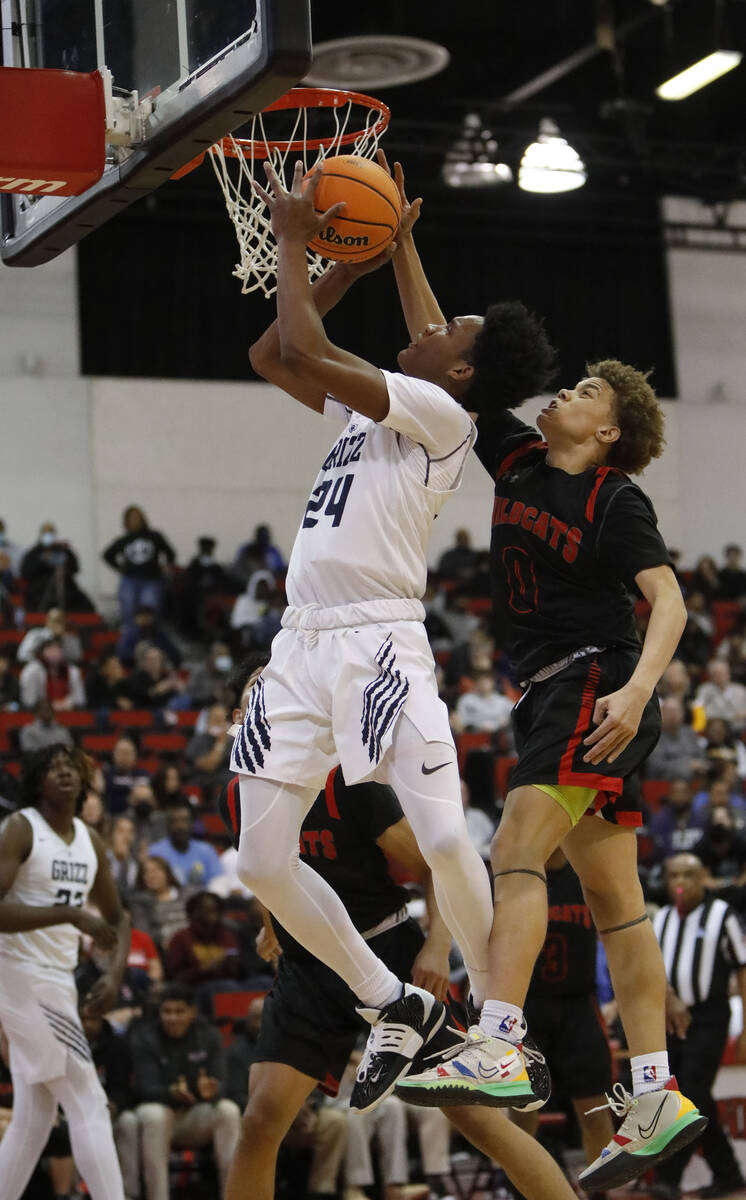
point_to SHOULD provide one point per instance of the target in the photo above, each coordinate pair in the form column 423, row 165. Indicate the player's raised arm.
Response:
column 306, row 352
column 418, row 301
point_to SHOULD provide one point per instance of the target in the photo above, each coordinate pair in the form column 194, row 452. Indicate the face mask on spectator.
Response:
column 223, row 662
column 48, row 538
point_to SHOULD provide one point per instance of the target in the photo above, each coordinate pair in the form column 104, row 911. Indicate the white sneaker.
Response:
column 482, row 1070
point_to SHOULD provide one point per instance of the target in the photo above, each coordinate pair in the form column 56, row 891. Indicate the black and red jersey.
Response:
column 565, row 549
column 566, row 965
column 338, row 839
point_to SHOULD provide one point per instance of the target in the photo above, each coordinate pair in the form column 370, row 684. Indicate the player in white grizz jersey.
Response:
column 51, row 864
column 351, row 677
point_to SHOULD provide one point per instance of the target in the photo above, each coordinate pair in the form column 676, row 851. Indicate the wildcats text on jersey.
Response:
column 69, row 872
column 557, row 534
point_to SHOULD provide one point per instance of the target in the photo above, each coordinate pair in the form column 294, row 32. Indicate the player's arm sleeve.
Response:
column 502, row 435
column 426, row 413
column 628, row 539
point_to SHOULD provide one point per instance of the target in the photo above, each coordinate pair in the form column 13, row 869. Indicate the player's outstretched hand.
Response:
column 410, row 210
column 617, row 717
column 104, row 935
column 102, row 997
column 294, row 217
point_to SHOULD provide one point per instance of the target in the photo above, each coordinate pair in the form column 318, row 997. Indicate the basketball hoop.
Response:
column 294, row 124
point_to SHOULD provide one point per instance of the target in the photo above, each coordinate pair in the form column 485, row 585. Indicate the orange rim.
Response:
column 302, row 97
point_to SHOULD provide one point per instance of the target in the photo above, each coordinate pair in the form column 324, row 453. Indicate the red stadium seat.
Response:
column 725, row 613
column 14, row 720
column 11, row 637
column 98, row 743
column 480, row 605
column 84, row 620
column 170, row 743
column 194, row 792
column 12, row 767
column 151, row 764
column 653, row 791
column 77, row 718
column 133, row 718
column 470, row 741
column 503, row 767
column 187, row 717
column 102, row 640
column 35, row 618
column 233, row 1006
column 212, row 823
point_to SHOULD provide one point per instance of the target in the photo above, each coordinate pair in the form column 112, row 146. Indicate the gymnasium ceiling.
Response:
column 605, row 105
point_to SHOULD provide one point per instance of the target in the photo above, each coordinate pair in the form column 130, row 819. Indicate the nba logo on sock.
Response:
column 649, row 1075
column 507, row 1024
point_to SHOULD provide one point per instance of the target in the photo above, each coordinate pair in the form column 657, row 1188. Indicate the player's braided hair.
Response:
column 36, row 769
column 637, row 412
column 512, row 357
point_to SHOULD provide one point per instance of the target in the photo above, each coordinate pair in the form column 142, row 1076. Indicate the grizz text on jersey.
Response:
column 69, row 872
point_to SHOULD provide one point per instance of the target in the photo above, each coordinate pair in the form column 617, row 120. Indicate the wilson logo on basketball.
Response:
column 10, row 184
column 332, row 238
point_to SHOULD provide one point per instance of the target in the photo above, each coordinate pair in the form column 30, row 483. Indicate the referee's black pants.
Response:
column 695, row 1060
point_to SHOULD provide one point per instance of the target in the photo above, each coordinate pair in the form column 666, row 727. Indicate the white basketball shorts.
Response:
column 334, row 690
column 39, row 1014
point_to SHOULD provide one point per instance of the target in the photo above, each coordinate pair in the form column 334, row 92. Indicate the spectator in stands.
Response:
column 107, row 687
column 167, row 785
column 194, row 862
column 9, row 693
column 144, row 967
column 470, row 657
column 43, row 731
column 676, row 827
column 146, row 815
column 121, row 774
column 143, row 558
column 700, row 981
column 208, row 680
column 720, row 697
column 460, row 562
column 695, row 644
column 55, row 626
column 733, row 650
column 50, row 676
column 675, row 681
column 49, row 569
column 731, row 576
column 240, row 1054
column 721, row 745
column 145, row 630
column 722, row 849
column 178, row 1071
column 95, row 815
column 705, row 577
column 209, row 753
column 121, row 852
column 723, row 787
column 457, row 614
column 259, row 553
column 679, row 753
column 157, row 903
column 205, row 954
column 387, row 1124
column 10, row 792
column 252, row 605
column 155, row 684
column 480, row 827
column 484, row 709
column 204, row 576
column 10, row 549
column 112, row 1060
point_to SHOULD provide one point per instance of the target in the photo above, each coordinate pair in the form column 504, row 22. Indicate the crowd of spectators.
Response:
column 150, row 698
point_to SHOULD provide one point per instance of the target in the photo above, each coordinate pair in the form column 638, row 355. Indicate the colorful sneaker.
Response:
column 538, row 1075
column 655, row 1126
column 482, row 1070
column 398, row 1032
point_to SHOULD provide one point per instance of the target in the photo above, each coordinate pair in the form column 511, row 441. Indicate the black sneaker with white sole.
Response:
column 398, row 1033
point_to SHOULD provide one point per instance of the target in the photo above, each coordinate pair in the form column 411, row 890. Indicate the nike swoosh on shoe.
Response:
column 647, row 1131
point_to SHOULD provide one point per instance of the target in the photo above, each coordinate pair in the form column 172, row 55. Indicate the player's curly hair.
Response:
column 37, row 767
column 512, row 358
column 242, row 672
column 637, row 412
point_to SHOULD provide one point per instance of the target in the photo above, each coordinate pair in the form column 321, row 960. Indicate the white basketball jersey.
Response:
column 53, row 873
column 368, row 520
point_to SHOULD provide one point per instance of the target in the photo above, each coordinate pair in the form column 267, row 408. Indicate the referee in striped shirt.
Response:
column 703, row 944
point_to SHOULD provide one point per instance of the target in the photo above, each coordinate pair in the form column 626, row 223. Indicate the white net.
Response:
column 235, row 166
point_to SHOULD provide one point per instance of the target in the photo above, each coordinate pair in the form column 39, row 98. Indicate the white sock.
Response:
column 649, row 1072
column 501, row 1020
column 395, row 994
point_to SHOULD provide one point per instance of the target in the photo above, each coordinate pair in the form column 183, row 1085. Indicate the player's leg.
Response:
column 269, row 863
column 34, row 1112
column 658, row 1119
column 425, row 777
column 528, row 1166
column 84, row 1104
column 594, row 1120
column 276, row 1095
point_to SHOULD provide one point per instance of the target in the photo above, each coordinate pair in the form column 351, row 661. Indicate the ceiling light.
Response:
column 699, row 74
column 472, row 159
column 549, row 164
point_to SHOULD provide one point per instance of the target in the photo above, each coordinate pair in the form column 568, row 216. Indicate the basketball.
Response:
column 370, row 220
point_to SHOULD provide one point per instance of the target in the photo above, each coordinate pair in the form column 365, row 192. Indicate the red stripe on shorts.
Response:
column 232, row 798
column 331, row 801
column 582, row 724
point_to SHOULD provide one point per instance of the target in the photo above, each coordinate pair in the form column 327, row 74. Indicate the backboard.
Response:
column 187, row 71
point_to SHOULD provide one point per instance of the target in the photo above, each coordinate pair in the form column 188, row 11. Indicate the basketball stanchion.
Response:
column 296, row 125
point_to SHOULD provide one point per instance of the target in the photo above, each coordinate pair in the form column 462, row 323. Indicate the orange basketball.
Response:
column 370, row 220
